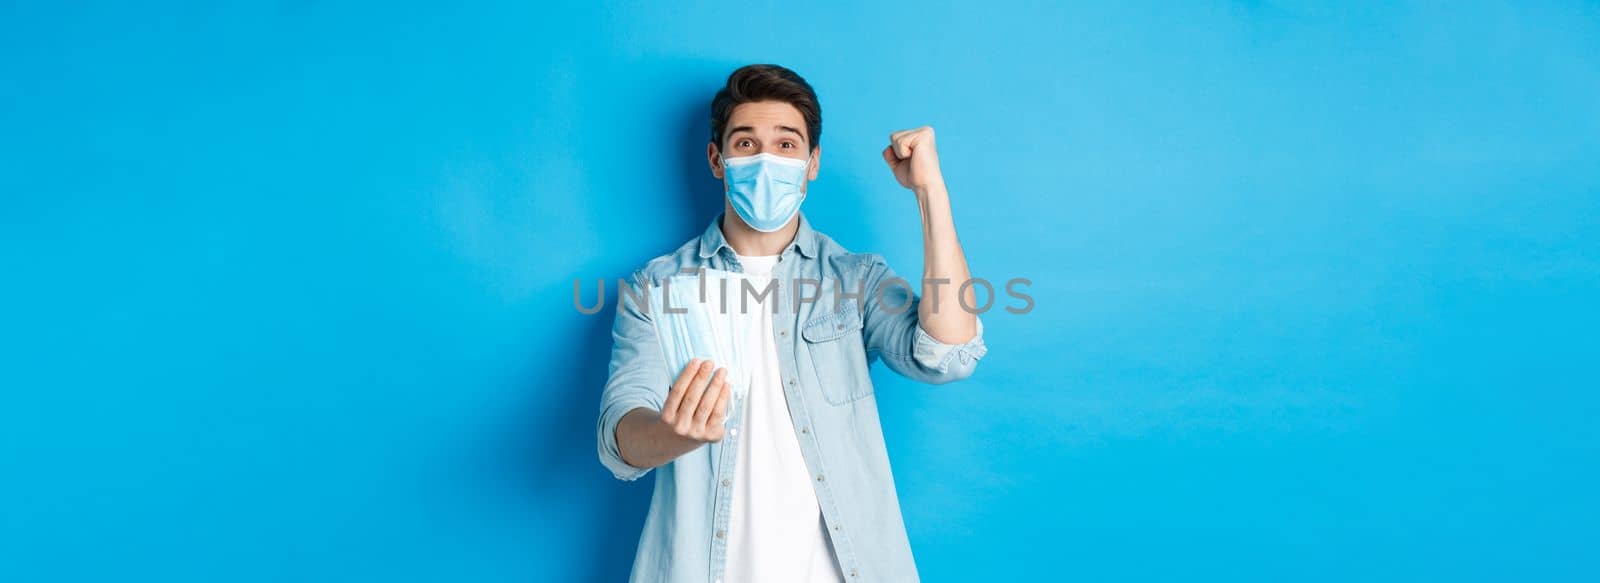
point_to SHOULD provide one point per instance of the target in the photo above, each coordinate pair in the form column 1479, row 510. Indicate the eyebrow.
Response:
column 781, row 128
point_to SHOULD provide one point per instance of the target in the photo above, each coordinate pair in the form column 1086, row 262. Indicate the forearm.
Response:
column 645, row 442
column 944, row 272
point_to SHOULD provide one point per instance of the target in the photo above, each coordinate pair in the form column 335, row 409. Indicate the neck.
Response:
column 748, row 241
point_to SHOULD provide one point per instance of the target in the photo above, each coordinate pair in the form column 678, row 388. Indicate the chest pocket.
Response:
column 838, row 354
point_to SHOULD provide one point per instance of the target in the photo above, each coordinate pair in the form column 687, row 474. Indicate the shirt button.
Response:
column 734, row 432
column 819, row 477
column 783, row 333
column 835, row 527
column 727, row 482
column 852, row 572
column 719, row 533
column 805, row 430
column 791, row 382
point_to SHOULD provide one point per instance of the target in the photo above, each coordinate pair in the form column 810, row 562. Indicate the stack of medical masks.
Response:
column 696, row 317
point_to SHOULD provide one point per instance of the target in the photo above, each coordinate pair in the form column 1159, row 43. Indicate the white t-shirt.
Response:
column 775, row 530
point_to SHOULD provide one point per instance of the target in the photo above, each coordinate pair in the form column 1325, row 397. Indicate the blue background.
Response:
column 288, row 286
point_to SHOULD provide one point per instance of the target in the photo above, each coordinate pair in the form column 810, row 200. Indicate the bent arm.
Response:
column 647, row 418
column 895, row 331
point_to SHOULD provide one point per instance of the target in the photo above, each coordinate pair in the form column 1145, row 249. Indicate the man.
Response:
column 796, row 485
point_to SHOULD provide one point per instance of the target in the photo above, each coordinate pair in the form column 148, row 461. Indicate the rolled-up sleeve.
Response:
column 959, row 359
column 894, row 331
column 637, row 378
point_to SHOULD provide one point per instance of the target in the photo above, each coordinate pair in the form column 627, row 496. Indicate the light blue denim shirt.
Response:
column 824, row 349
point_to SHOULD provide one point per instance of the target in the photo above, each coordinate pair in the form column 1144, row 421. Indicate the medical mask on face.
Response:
column 765, row 188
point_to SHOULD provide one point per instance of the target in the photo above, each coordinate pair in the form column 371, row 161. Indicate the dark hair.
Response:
column 752, row 83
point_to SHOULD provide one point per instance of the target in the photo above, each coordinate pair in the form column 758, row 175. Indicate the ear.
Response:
column 714, row 161
column 816, row 161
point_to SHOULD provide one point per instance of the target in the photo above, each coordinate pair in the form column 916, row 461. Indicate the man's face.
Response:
column 772, row 127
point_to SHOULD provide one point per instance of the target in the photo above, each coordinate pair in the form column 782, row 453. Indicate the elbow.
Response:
column 609, row 447
column 962, row 372
column 951, row 367
column 620, row 468
column 957, row 369
column 939, row 362
column 948, row 364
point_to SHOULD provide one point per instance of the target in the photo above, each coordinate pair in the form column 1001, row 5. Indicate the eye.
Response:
column 788, row 145
column 744, row 143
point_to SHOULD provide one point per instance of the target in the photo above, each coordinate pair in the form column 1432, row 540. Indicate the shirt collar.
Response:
column 805, row 239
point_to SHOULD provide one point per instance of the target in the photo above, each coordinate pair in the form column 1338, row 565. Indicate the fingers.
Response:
column 698, row 401
column 889, row 157
column 708, row 402
column 691, row 397
column 901, row 143
column 719, row 411
column 669, row 409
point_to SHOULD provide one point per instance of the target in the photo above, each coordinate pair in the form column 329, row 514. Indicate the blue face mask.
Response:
column 707, row 322
column 765, row 188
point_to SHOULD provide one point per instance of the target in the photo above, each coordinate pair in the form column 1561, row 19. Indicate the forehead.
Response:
column 765, row 117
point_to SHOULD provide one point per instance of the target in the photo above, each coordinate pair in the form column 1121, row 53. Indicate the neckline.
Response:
column 758, row 264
